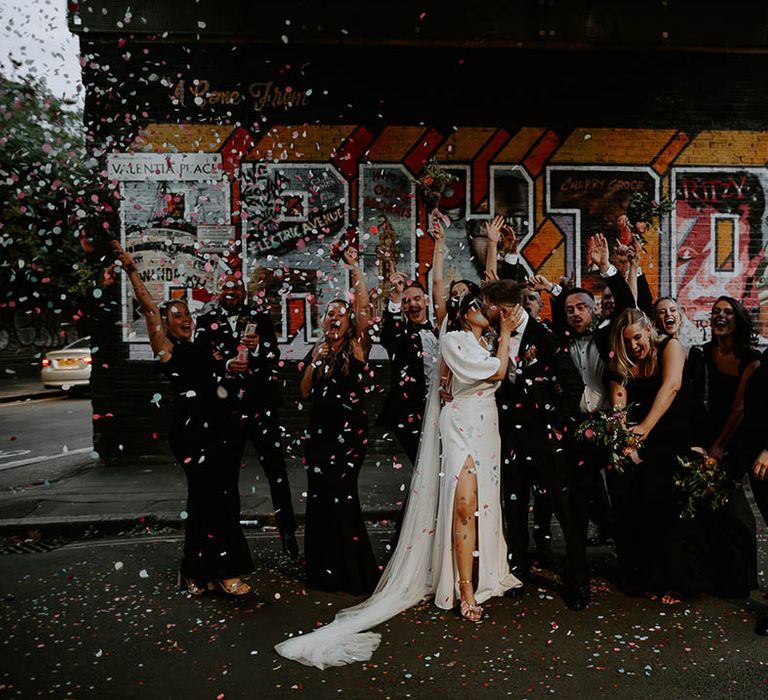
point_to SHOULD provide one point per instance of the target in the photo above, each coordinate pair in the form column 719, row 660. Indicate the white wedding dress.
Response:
column 422, row 565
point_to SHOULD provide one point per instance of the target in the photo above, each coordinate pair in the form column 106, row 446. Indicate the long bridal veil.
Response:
column 407, row 578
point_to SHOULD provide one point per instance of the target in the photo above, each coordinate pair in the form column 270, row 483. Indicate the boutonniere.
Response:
column 530, row 356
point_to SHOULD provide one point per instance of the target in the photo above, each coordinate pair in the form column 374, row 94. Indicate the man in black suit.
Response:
column 586, row 337
column 411, row 343
column 242, row 338
column 533, row 417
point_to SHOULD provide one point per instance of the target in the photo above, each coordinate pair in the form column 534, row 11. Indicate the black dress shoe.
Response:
column 579, row 598
column 290, row 545
column 761, row 627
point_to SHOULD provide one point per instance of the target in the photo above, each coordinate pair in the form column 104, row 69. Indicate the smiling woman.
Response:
column 205, row 442
column 339, row 556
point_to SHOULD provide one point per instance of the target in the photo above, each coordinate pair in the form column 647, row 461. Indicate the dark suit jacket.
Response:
column 546, row 385
column 258, row 388
column 408, row 390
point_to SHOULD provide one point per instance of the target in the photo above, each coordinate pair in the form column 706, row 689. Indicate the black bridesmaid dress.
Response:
column 713, row 552
column 204, row 440
column 338, row 551
column 643, row 495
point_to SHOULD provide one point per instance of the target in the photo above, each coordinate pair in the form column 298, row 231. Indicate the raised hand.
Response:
column 539, row 283
column 397, row 280
column 494, row 228
column 568, row 282
column 436, row 228
column 510, row 239
column 123, row 258
column 350, row 256
column 490, row 276
column 598, row 253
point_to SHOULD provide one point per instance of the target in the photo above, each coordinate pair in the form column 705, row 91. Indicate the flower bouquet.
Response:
column 348, row 239
column 644, row 212
column 703, row 482
column 433, row 182
column 608, row 429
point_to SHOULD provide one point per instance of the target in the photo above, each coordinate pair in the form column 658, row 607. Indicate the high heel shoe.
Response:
column 234, row 588
column 470, row 611
column 185, row 583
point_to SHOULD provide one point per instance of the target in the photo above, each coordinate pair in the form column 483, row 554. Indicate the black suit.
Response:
column 404, row 406
column 255, row 395
column 533, row 414
column 588, row 495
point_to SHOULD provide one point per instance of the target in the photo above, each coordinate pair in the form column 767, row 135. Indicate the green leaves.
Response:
column 51, row 195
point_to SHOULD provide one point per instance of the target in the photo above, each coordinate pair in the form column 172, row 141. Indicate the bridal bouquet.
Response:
column 608, row 429
column 433, row 182
column 348, row 239
column 644, row 212
column 703, row 482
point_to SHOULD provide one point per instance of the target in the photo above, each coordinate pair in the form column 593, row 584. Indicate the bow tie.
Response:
column 426, row 326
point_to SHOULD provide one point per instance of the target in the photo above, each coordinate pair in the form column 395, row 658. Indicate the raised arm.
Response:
column 158, row 340
column 493, row 236
column 361, row 305
column 438, row 271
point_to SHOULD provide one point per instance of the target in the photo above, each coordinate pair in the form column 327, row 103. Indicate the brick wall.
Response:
column 558, row 140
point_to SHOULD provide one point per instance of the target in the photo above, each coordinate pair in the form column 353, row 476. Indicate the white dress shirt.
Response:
column 514, row 347
column 430, row 346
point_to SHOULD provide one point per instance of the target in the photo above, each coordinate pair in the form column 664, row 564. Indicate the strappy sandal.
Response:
column 470, row 611
column 191, row 586
column 234, row 588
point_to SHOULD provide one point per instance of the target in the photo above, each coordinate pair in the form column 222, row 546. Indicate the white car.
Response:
column 69, row 367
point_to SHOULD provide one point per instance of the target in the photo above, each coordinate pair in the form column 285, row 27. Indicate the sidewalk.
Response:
column 86, row 494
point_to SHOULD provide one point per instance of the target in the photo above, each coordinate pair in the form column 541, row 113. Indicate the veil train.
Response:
column 407, row 578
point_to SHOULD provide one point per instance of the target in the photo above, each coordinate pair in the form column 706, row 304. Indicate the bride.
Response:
column 453, row 499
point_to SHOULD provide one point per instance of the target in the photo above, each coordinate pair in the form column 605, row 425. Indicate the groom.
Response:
column 533, row 418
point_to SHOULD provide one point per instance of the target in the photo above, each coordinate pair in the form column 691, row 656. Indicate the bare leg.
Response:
column 465, row 537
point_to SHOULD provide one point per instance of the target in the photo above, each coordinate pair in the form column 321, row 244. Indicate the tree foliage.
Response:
column 54, row 199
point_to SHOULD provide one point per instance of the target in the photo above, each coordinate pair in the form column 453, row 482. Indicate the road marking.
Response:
column 5, row 454
column 44, row 458
column 15, row 403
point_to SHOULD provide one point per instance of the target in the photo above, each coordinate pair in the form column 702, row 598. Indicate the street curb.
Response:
column 77, row 526
column 33, row 395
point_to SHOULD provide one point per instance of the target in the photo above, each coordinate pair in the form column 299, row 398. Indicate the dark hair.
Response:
column 743, row 335
column 503, row 291
column 577, row 290
column 459, row 309
column 471, row 286
column 415, row 283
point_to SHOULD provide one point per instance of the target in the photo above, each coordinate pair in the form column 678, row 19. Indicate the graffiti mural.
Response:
column 590, row 199
column 720, row 239
column 292, row 214
column 175, row 222
column 555, row 188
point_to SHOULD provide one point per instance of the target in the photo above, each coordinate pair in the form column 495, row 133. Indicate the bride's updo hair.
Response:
column 459, row 307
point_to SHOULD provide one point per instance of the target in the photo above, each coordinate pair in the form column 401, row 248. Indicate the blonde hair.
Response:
column 621, row 363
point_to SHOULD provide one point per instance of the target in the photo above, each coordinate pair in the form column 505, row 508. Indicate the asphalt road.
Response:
column 102, row 618
column 40, row 439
